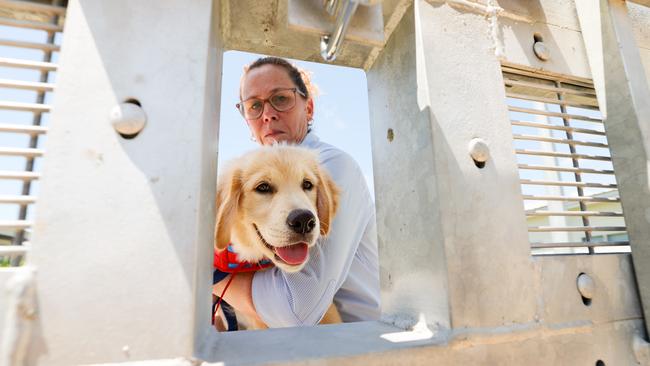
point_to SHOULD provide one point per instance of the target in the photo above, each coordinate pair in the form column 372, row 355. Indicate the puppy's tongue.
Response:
column 293, row 254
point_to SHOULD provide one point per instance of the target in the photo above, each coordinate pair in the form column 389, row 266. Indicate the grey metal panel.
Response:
column 628, row 110
column 124, row 233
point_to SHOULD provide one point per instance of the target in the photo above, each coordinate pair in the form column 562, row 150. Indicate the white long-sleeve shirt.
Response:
column 343, row 267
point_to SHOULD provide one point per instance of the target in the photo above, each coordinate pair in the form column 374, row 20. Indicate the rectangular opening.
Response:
column 340, row 119
column 30, row 48
column 567, row 178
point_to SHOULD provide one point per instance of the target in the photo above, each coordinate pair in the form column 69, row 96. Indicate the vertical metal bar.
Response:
column 627, row 98
column 576, row 164
column 330, row 44
column 330, row 6
column 33, row 140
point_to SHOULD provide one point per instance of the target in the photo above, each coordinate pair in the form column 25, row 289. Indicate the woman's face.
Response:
column 273, row 126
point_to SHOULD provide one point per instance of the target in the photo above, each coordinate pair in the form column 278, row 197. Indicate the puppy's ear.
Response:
column 228, row 193
column 327, row 200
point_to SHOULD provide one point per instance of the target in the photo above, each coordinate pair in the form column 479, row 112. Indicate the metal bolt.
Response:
column 479, row 150
column 541, row 51
column 586, row 286
column 128, row 119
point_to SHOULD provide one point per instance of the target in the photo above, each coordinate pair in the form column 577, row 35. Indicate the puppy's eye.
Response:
column 307, row 185
column 263, row 188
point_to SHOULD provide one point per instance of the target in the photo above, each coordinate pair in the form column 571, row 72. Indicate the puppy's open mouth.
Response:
column 293, row 254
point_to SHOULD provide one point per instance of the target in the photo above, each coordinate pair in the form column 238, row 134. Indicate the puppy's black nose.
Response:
column 301, row 221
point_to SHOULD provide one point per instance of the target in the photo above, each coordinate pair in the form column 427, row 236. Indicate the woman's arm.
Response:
column 239, row 294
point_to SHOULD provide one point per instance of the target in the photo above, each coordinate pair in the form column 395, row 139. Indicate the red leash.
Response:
column 216, row 309
column 226, row 261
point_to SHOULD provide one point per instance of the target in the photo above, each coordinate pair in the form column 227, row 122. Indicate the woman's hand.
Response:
column 239, row 294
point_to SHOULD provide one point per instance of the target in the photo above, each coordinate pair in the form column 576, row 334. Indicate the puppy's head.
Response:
column 275, row 202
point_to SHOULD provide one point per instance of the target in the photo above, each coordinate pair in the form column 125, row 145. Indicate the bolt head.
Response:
column 479, row 150
column 128, row 118
column 541, row 51
column 586, row 286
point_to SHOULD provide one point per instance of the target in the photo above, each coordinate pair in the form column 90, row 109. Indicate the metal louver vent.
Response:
column 30, row 35
column 567, row 178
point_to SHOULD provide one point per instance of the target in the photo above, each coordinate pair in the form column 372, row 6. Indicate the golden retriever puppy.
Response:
column 273, row 204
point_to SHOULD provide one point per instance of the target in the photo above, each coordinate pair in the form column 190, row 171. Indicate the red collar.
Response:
column 226, row 261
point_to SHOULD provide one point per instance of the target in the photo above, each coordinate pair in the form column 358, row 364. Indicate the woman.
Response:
column 276, row 102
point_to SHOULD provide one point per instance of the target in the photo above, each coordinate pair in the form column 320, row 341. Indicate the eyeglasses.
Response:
column 282, row 100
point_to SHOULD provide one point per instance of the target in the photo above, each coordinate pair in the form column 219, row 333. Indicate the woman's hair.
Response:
column 299, row 77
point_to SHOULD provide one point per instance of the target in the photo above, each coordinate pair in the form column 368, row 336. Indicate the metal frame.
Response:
column 447, row 269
